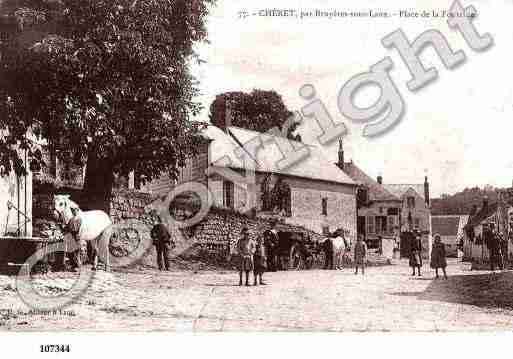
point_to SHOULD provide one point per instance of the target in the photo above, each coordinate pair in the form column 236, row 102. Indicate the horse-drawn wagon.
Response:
column 297, row 250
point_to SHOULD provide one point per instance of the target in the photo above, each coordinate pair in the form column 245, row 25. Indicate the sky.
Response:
column 456, row 130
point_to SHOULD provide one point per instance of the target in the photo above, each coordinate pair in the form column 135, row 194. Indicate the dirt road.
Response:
column 385, row 299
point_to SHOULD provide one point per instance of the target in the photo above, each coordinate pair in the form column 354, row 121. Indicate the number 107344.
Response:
column 54, row 348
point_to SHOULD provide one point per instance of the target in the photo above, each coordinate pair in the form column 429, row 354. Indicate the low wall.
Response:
column 214, row 238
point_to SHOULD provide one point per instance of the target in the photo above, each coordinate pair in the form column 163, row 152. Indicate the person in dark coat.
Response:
column 271, row 242
column 327, row 246
column 360, row 254
column 494, row 246
column 438, row 256
column 259, row 261
column 162, row 241
column 416, row 254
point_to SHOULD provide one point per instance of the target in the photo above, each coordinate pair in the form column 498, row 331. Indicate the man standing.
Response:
column 494, row 247
column 327, row 246
column 271, row 247
column 360, row 255
column 162, row 241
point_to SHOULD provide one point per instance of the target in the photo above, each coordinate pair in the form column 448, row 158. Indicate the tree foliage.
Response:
column 107, row 80
column 463, row 202
column 259, row 110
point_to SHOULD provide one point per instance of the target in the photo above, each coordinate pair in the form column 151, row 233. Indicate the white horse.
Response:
column 95, row 226
column 340, row 246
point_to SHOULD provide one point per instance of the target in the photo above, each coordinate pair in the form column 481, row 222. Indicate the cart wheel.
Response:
column 295, row 259
column 124, row 242
column 320, row 260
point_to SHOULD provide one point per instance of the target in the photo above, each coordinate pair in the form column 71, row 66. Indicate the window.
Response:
column 228, row 194
column 416, row 223
column 381, row 224
column 393, row 211
column 410, row 201
column 325, row 206
column 370, row 224
column 326, row 230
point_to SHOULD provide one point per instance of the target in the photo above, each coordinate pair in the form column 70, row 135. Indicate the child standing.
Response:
column 259, row 261
column 246, row 249
column 415, row 255
column 360, row 254
column 438, row 256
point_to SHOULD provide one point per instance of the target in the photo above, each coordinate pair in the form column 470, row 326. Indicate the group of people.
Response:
column 438, row 256
column 262, row 254
column 336, row 247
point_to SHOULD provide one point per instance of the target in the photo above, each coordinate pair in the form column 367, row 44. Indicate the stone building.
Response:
column 311, row 192
column 387, row 210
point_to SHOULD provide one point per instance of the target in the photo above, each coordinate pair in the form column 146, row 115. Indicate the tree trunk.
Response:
column 98, row 183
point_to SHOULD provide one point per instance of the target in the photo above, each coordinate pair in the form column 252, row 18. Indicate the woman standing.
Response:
column 415, row 255
column 438, row 256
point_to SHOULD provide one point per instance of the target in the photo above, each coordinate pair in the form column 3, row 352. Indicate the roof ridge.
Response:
column 271, row 135
column 373, row 181
column 403, row 184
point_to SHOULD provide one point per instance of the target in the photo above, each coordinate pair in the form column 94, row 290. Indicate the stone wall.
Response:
column 218, row 233
column 128, row 204
column 306, row 202
column 306, row 205
column 214, row 238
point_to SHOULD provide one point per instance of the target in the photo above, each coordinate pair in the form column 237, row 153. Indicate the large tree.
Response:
column 259, row 110
column 107, row 80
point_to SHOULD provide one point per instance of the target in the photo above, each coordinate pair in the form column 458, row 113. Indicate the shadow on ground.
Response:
column 483, row 290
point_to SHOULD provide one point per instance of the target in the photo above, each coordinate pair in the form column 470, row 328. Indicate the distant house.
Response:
column 387, row 210
column 378, row 210
column 451, row 230
column 484, row 221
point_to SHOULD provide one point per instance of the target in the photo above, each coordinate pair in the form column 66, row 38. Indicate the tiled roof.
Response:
column 376, row 192
column 224, row 150
column 400, row 189
column 313, row 166
column 445, row 225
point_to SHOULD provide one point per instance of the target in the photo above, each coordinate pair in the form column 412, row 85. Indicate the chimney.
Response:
column 380, row 179
column 426, row 190
column 340, row 154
